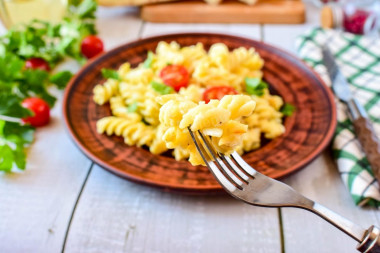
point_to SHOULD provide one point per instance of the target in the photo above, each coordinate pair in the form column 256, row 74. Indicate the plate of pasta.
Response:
column 129, row 110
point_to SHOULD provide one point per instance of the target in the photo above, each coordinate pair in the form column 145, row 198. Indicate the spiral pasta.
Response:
column 102, row 93
column 133, row 131
column 146, row 111
column 217, row 119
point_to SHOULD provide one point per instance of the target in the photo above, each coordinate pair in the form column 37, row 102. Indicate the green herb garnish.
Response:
column 133, row 107
column 287, row 109
column 110, row 73
column 161, row 88
column 149, row 60
column 255, row 86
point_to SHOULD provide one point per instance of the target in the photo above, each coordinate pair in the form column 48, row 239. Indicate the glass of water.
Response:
column 22, row 11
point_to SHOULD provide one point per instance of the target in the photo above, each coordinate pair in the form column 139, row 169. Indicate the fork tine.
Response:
column 242, row 164
column 234, row 168
column 219, row 161
column 223, row 180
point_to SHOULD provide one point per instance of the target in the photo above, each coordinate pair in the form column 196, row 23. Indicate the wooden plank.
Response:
column 263, row 11
column 244, row 30
column 320, row 181
column 120, row 216
column 36, row 205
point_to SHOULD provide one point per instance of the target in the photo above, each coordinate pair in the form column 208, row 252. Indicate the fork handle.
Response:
column 371, row 241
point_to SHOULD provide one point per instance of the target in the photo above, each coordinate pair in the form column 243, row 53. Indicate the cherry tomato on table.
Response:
column 37, row 63
column 91, row 46
column 218, row 92
column 40, row 109
column 175, row 76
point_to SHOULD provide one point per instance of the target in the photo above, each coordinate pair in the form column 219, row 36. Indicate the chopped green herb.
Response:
column 161, row 88
column 133, row 107
column 255, row 86
column 149, row 60
column 288, row 109
column 110, row 73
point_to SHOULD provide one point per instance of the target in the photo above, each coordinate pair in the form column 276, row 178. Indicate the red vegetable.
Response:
column 175, row 76
column 218, row 92
column 91, row 46
column 40, row 109
column 357, row 21
column 37, row 63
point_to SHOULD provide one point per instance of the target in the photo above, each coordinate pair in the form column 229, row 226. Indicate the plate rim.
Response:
column 195, row 189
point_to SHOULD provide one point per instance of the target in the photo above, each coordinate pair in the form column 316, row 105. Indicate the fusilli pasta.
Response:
column 157, row 116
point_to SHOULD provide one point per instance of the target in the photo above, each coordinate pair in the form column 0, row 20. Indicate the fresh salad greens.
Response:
column 43, row 40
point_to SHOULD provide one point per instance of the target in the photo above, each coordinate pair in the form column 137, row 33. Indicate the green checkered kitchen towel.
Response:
column 359, row 59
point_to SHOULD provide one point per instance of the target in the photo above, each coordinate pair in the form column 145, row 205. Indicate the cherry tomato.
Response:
column 175, row 76
column 218, row 92
column 37, row 63
column 40, row 109
column 91, row 46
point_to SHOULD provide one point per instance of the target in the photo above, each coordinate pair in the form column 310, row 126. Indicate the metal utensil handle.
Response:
column 369, row 240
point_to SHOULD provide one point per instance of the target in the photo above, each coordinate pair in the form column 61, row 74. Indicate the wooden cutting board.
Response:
column 264, row 12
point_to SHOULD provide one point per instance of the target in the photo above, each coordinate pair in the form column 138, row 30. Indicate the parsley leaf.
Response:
column 13, row 139
column 6, row 158
column 255, row 86
column 21, row 134
column 161, row 88
column 110, row 73
column 61, row 78
column 86, row 9
column 10, row 106
column 149, row 60
column 133, row 107
column 10, row 67
column 287, row 109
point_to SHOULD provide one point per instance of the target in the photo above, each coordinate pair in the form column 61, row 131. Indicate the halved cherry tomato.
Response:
column 40, row 109
column 175, row 76
column 37, row 63
column 218, row 92
column 91, row 46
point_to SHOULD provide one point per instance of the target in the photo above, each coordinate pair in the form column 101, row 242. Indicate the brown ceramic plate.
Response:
column 308, row 130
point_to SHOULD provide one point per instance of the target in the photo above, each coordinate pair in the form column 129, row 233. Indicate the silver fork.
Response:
column 246, row 184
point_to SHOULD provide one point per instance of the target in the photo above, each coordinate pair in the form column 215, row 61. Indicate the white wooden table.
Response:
column 65, row 202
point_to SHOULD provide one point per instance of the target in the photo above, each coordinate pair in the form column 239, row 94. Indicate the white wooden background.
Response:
column 65, row 203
